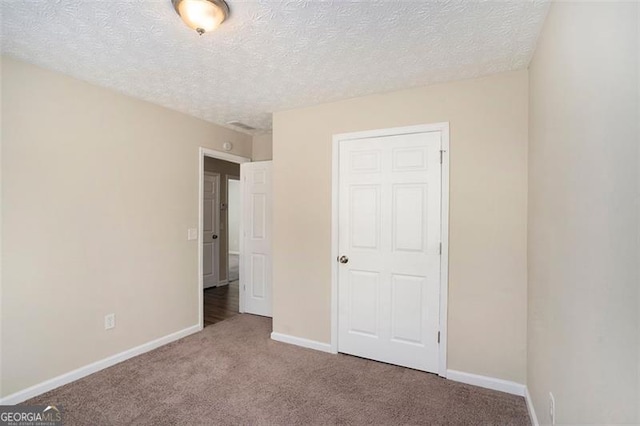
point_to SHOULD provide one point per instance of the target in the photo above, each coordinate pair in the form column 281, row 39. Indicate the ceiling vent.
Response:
column 241, row 125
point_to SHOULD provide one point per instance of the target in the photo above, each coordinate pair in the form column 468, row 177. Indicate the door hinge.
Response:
column 441, row 154
column 440, row 248
column 438, row 337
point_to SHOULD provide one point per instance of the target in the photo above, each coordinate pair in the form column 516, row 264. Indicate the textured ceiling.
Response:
column 270, row 55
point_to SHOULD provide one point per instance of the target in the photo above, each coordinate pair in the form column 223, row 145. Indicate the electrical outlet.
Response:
column 109, row 321
column 552, row 408
column 192, row 234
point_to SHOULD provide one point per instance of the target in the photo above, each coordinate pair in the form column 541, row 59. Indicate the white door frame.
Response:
column 206, row 152
column 444, row 259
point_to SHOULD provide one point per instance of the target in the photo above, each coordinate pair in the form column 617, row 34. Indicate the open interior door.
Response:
column 255, row 257
column 211, row 230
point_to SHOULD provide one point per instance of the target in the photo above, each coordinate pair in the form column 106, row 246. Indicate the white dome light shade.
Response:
column 202, row 15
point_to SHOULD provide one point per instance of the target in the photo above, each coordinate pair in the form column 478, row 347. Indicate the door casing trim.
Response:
column 443, row 128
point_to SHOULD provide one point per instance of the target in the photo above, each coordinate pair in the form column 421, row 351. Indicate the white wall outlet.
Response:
column 109, row 321
column 192, row 234
column 552, row 408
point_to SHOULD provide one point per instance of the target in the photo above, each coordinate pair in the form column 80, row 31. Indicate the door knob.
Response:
column 343, row 259
column 215, row 237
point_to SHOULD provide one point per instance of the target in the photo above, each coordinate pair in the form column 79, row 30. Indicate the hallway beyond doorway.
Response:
column 221, row 303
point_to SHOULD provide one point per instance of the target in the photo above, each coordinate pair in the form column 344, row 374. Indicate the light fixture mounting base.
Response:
column 221, row 5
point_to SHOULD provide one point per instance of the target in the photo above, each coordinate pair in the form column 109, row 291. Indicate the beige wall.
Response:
column 262, row 147
column 98, row 190
column 638, row 195
column 1, row 234
column 224, row 168
column 488, row 201
column 583, row 215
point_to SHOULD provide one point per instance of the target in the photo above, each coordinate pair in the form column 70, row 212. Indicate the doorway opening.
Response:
column 219, row 249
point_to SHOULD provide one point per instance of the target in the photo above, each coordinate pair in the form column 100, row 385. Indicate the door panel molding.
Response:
column 406, row 159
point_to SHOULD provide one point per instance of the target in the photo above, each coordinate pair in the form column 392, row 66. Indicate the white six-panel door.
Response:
column 210, row 230
column 389, row 234
column 255, row 261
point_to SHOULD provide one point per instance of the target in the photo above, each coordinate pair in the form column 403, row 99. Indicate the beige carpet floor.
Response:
column 232, row 373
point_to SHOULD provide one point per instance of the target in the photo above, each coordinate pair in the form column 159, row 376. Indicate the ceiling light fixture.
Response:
column 202, row 15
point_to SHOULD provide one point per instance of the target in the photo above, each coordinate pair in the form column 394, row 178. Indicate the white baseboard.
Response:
column 532, row 411
column 487, row 382
column 299, row 341
column 81, row 372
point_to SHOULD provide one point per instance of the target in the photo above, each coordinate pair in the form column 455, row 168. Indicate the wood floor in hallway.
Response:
column 221, row 303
